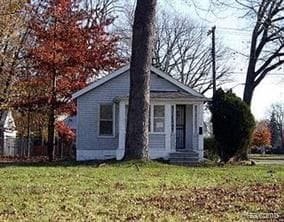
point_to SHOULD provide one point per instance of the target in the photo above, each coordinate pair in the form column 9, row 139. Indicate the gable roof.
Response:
column 126, row 68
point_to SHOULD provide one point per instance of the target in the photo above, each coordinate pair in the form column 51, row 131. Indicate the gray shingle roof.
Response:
column 172, row 95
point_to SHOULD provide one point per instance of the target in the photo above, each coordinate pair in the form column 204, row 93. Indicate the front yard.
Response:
column 138, row 191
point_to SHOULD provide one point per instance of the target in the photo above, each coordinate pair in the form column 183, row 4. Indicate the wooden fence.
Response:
column 24, row 148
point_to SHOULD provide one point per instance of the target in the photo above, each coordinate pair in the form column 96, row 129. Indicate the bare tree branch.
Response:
column 182, row 49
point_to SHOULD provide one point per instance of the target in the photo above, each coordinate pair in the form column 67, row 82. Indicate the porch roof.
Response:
column 167, row 95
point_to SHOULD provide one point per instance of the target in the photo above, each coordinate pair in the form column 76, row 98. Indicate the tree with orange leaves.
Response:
column 261, row 135
column 68, row 45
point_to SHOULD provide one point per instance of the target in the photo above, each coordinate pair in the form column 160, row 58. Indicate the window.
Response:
column 106, row 124
column 159, row 118
column 126, row 115
column 156, row 118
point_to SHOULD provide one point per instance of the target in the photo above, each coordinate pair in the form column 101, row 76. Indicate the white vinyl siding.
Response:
column 90, row 145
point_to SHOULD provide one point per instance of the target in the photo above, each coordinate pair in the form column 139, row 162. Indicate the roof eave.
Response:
column 100, row 82
column 126, row 68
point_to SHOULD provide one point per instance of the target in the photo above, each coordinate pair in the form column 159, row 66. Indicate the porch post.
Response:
column 168, row 125
column 200, row 136
column 198, row 122
column 122, row 131
column 195, row 127
column 173, row 133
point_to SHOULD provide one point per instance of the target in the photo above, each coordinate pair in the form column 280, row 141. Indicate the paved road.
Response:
column 268, row 159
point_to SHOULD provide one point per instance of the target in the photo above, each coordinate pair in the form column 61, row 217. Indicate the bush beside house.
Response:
column 233, row 125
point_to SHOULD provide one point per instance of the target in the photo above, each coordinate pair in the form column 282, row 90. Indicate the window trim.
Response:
column 113, row 121
column 153, row 118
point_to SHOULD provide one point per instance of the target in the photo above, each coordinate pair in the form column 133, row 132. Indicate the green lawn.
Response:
column 146, row 192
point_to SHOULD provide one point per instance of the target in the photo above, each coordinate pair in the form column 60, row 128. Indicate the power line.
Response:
column 234, row 29
column 268, row 74
column 204, row 27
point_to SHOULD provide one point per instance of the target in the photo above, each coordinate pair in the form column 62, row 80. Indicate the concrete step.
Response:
column 183, row 154
column 193, row 159
column 184, row 158
column 185, row 163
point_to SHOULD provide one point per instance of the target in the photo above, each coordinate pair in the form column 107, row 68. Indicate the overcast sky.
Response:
column 234, row 33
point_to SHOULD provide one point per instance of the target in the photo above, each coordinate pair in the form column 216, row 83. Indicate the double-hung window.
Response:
column 106, row 122
column 158, row 118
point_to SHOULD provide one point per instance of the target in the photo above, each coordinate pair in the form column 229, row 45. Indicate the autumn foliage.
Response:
column 68, row 46
column 64, row 131
column 261, row 135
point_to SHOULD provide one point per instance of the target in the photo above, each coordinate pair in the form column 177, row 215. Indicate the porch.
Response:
column 175, row 127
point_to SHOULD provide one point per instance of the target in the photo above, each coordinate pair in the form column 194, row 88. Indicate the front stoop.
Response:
column 184, row 158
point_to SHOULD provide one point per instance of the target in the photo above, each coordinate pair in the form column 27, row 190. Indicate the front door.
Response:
column 180, row 127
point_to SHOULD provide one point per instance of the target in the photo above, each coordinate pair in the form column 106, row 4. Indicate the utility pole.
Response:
column 213, row 53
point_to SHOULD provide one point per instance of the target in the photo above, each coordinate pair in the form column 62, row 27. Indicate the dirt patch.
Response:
column 217, row 200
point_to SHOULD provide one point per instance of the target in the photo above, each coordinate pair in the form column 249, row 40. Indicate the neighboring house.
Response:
column 71, row 122
column 8, row 134
column 176, row 118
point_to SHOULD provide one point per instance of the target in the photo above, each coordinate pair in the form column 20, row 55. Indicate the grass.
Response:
column 139, row 191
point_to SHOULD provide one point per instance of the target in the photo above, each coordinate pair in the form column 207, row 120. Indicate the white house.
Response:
column 8, row 134
column 176, row 118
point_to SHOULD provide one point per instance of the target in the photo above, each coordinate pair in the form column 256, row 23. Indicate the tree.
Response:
column 12, row 35
column 67, row 46
column 274, row 130
column 267, row 41
column 233, row 125
column 261, row 135
column 181, row 50
column 276, row 122
column 140, row 66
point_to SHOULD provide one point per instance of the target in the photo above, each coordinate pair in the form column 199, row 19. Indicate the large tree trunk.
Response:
column 249, row 89
column 50, row 137
column 136, row 146
column 248, row 93
column 51, row 118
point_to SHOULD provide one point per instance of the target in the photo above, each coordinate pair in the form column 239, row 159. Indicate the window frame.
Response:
column 113, row 121
column 152, row 119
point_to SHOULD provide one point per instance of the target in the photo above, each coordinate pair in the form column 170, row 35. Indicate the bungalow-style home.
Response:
column 176, row 118
column 8, row 134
